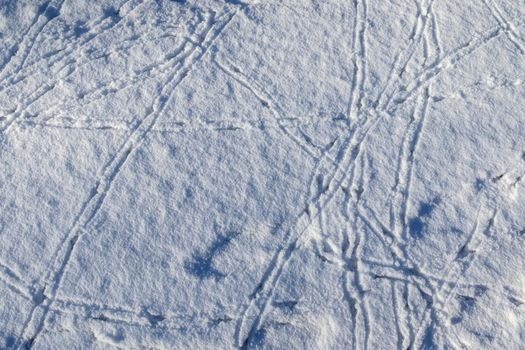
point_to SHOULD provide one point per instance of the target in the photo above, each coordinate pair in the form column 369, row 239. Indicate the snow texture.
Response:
column 296, row 174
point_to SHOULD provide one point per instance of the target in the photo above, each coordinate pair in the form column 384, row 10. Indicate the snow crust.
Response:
column 262, row 174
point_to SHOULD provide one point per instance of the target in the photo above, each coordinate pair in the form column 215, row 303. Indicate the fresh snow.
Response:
column 297, row 174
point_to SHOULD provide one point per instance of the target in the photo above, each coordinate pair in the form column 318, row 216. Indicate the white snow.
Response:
column 316, row 174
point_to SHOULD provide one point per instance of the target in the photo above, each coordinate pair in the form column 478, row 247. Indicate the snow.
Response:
column 251, row 174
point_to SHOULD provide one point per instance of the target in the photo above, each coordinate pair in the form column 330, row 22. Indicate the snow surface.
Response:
column 319, row 174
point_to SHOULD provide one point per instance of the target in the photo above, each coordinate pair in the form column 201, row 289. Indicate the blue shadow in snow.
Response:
column 417, row 225
column 201, row 264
